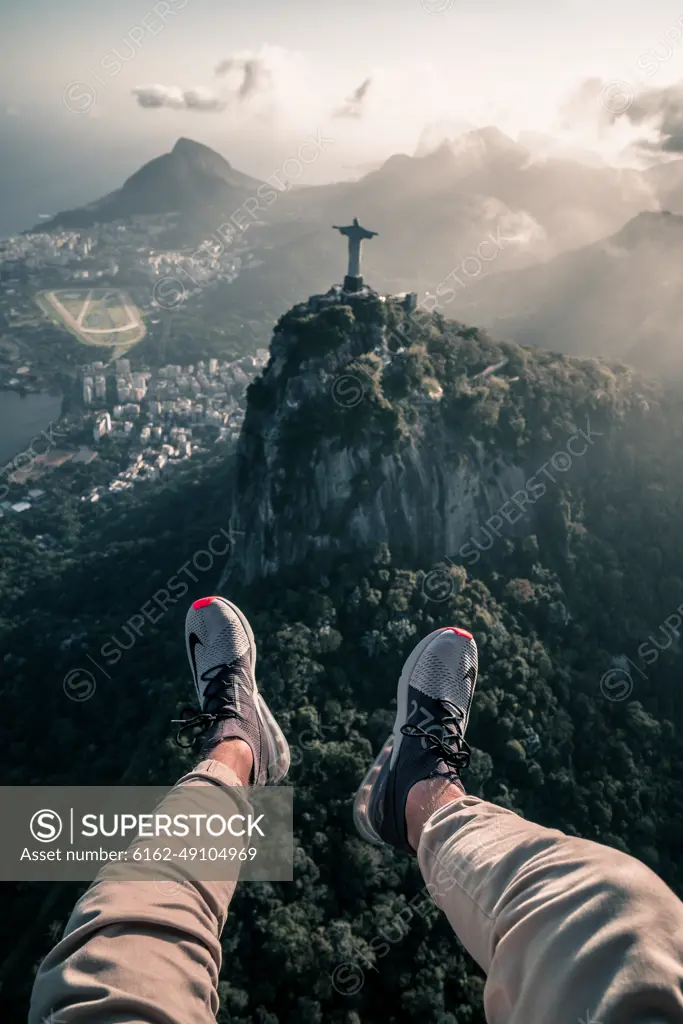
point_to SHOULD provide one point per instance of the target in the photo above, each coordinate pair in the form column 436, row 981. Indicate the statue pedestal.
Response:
column 353, row 284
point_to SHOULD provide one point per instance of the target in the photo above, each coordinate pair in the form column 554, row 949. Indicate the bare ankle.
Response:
column 424, row 798
column 236, row 754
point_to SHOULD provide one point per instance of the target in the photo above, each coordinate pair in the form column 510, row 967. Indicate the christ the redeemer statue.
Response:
column 353, row 281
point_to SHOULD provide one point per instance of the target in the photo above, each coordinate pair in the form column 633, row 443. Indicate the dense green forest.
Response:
column 596, row 576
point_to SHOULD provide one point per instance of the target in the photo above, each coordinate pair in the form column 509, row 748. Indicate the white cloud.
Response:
column 156, row 96
column 255, row 75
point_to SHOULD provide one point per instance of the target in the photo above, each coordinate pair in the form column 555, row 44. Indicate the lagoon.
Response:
column 22, row 417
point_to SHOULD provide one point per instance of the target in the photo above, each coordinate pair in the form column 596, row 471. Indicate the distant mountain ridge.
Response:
column 585, row 248
column 190, row 177
column 619, row 298
column 430, row 210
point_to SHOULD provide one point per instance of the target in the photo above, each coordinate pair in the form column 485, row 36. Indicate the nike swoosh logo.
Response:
column 193, row 640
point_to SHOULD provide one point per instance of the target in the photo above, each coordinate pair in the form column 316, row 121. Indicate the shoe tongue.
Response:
column 213, row 704
column 215, row 697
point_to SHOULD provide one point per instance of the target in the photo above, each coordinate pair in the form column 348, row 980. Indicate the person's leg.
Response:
column 149, row 951
column 566, row 930
column 143, row 950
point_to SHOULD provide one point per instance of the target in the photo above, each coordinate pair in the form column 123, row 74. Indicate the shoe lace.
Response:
column 217, row 706
column 451, row 743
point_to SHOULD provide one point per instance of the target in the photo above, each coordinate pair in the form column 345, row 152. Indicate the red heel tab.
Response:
column 203, row 601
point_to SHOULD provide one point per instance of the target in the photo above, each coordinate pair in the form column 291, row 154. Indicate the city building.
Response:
column 102, row 426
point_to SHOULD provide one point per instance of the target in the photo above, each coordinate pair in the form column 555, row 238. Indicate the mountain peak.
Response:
column 649, row 226
column 185, row 143
column 189, row 177
column 189, row 148
column 493, row 137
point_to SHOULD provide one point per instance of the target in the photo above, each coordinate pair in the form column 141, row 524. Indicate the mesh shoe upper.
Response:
column 445, row 671
column 222, row 655
column 221, row 639
column 433, row 705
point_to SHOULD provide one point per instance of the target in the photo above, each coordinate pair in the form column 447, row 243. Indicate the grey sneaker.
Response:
column 434, row 699
column 222, row 654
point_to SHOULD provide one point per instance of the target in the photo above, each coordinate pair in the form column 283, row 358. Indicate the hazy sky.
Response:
column 69, row 71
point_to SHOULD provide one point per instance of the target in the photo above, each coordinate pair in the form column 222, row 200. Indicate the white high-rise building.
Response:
column 102, row 426
column 100, row 387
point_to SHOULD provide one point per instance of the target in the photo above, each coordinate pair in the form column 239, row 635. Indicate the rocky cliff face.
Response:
column 345, row 444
